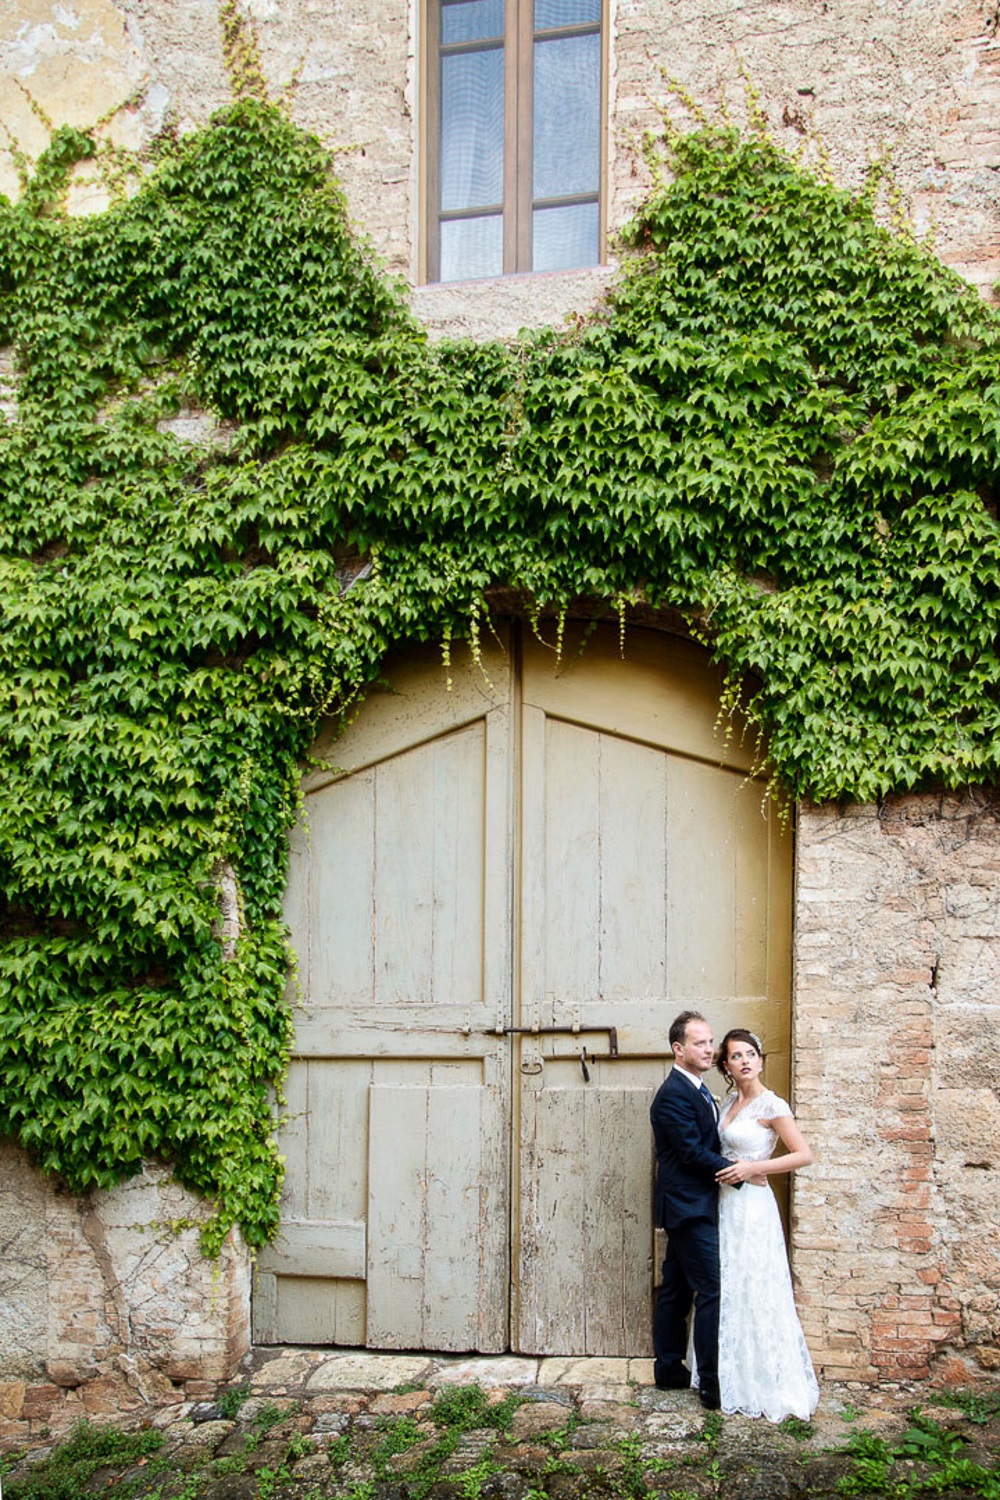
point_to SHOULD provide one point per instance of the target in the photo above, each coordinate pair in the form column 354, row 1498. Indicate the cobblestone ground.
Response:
column 311, row 1425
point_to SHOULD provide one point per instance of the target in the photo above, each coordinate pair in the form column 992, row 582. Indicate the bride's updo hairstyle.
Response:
column 737, row 1034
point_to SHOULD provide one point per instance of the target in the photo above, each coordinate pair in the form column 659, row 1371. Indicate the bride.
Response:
column 764, row 1365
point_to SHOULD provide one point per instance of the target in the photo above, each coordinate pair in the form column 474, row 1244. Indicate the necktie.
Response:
column 706, row 1095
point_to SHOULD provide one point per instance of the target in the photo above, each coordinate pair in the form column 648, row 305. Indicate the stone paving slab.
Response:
column 576, row 1371
column 288, row 1371
column 538, row 1417
column 359, row 1369
column 487, row 1370
column 369, row 1372
column 326, row 1423
column 281, row 1368
column 673, row 1426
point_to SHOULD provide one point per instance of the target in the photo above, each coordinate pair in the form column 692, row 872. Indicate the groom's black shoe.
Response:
column 709, row 1398
column 672, row 1378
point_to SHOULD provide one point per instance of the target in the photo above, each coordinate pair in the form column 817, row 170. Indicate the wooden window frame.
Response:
column 518, row 205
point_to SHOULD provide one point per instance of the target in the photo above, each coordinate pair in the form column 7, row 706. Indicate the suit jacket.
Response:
column 687, row 1153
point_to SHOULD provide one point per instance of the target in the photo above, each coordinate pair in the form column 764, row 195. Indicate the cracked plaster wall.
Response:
column 106, row 1301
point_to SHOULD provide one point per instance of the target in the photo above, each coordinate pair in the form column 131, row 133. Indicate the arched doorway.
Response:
column 502, row 891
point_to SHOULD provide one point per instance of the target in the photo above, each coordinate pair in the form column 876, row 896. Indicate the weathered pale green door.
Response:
column 503, row 888
column 396, row 1135
column 654, row 879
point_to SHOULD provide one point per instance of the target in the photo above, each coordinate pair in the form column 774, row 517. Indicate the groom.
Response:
column 685, row 1130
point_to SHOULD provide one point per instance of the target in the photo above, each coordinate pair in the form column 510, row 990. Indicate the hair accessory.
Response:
column 756, row 1041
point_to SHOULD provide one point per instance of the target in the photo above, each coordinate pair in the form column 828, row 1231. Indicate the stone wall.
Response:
column 896, row 948
column 896, row 1014
column 106, row 1302
column 847, row 80
column 920, row 80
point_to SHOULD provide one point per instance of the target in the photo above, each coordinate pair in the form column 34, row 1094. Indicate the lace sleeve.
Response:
column 774, row 1107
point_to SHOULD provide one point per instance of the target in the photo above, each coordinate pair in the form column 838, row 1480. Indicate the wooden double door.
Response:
column 506, row 882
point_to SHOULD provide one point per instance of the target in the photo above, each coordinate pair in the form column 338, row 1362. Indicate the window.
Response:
column 515, row 135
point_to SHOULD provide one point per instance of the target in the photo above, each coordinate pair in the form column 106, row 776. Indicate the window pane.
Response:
column 471, row 247
column 472, row 129
column 566, row 12
column 564, row 238
column 567, row 140
column 471, row 20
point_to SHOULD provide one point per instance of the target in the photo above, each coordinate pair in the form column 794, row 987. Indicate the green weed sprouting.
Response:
column 460, row 1408
column 232, row 1399
column 65, row 1473
column 978, row 1405
column 711, row 1431
column 927, row 1458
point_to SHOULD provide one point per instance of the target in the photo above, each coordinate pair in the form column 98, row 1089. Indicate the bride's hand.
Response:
column 739, row 1171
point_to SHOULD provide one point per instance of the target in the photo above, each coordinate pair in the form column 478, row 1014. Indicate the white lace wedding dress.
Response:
column 764, row 1365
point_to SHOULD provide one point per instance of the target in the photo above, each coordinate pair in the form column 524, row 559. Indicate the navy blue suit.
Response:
column 686, row 1133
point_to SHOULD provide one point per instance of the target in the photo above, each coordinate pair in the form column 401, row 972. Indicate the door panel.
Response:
column 437, row 1265
column 501, row 893
column 652, row 869
column 397, row 1129
column 585, row 1269
column 392, row 852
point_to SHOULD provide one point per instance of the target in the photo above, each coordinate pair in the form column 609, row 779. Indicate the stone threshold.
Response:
column 286, row 1370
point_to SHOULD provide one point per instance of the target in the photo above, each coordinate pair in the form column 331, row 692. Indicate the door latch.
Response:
column 611, row 1032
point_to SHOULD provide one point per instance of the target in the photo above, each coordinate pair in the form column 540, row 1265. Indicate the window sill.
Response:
column 499, row 306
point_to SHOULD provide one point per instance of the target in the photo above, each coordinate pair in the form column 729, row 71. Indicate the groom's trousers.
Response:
column 690, row 1274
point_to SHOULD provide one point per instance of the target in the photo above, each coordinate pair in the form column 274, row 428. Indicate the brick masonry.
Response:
column 897, row 1005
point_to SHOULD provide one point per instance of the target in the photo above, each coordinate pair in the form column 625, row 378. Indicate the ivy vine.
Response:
column 784, row 422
